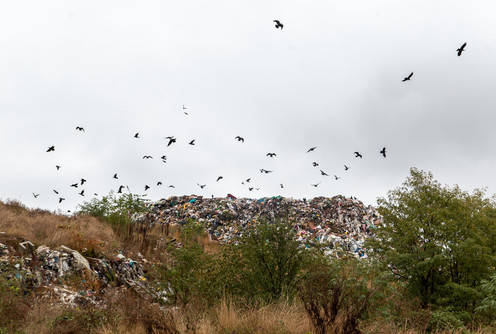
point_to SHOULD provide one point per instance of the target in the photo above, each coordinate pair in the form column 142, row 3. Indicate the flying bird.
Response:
column 36, row 195
column 147, row 157
column 315, row 185
column 311, row 149
column 79, row 128
column 337, row 177
column 407, row 78
column 278, row 25
column 184, row 108
column 315, row 164
column 61, row 199
column 248, row 180
column 201, row 185
column 83, row 181
column 159, row 183
column 171, row 186
column 461, row 49
column 57, row 166
column 51, row 149
column 120, row 189
column 136, row 135
column 271, row 155
column 55, row 191
column 282, row 186
column 147, row 187
column 323, row 173
column 192, row 142
column 219, row 178
column 75, row 185
column 346, row 167
column 115, row 176
column 250, row 188
column 171, row 140
column 265, row 171
column 82, row 192
column 240, row 139
column 358, row 155
column 383, row 152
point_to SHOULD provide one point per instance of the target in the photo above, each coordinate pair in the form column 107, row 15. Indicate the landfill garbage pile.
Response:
column 340, row 224
column 57, row 270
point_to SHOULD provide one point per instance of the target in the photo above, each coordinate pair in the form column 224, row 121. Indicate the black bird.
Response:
column 315, row 185
column 147, row 157
column 55, row 191
column 57, row 166
column 358, row 155
column 82, row 192
column 164, row 158
column 36, row 195
column 219, row 178
column 282, row 186
column 79, row 128
column 346, row 167
column 408, row 77
column 159, row 183
column 311, row 149
column 271, row 155
column 115, row 176
column 337, row 177
column 461, row 49
column 383, row 152
column 250, row 188
column 51, row 149
column 171, row 140
column 136, row 135
column 120, row 189
column 192, row 142
column 75, row 185
column 265, row 171
column 323, row 173
column 184, row 108
column 171, row 186
column 83, row 181
column 278, row 24
column 61, row 199
column 315, row 164
column 240, row 139
column 147, row 187
column 248, row 180
column 201, row 185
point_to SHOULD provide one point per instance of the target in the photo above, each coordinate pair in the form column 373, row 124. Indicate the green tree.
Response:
column 439, row 240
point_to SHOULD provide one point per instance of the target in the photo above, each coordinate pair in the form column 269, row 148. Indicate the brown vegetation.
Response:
column 45, row 228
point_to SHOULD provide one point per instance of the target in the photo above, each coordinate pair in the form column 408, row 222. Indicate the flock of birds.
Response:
column 171, row 140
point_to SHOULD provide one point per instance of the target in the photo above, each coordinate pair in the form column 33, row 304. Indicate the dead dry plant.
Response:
column 46, row 228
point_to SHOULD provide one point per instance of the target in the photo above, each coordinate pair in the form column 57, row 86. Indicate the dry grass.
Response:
column 45, row 228
column 227, row 317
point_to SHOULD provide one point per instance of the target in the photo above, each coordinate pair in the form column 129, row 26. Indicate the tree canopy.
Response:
column 440, row 240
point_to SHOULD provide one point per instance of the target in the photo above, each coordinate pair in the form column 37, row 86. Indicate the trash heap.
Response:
column 340, row 224
column 65, row 275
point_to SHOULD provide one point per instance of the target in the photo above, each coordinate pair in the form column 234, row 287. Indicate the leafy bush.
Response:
column 117, row 211
column 268, row 261
column 336, row 294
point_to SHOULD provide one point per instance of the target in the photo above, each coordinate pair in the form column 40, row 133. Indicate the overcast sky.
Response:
column 331, row 78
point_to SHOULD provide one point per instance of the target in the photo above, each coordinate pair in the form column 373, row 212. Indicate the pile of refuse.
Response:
column 340, row 224
column 65, row 275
